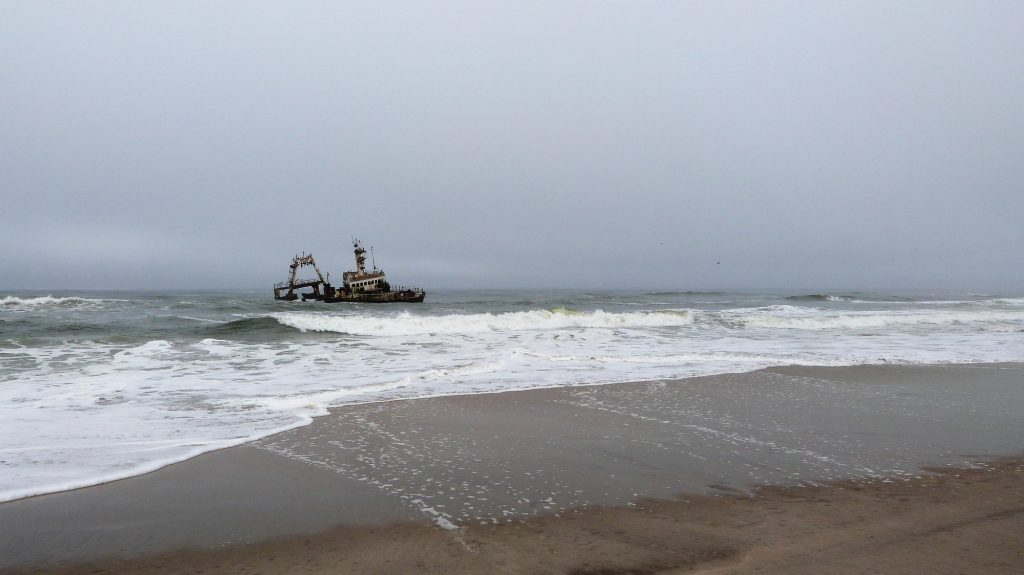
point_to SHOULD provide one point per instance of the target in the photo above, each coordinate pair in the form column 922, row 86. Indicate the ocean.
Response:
column 97, row 386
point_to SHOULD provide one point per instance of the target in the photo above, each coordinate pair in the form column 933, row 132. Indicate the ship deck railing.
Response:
column 395, row 288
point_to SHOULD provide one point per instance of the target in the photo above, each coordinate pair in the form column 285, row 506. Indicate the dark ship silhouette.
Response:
column 357, row 286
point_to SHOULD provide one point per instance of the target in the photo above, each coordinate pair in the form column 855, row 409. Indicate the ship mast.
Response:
column 360, row 257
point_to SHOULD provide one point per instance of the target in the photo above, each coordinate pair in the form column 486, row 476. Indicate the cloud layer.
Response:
column 514, row 144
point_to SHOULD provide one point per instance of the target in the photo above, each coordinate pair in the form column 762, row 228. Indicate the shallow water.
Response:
column 100, row 385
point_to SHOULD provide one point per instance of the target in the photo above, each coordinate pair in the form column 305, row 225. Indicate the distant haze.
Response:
column 514, row 144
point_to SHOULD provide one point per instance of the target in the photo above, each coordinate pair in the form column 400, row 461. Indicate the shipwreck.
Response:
column 360, row 285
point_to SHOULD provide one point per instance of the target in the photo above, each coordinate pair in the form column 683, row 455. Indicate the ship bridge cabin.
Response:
column 362, row 280
column 374, row 281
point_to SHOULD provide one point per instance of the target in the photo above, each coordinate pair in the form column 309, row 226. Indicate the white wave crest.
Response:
column 679, row 358
column 42, row 301
column 15, row 303
column 408, row 324
column 790, row 317
column 1007, row 300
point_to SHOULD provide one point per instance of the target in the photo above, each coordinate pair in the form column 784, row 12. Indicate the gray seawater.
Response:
column 96, row 386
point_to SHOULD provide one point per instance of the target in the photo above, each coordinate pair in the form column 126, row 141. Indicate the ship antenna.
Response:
column 373, row 260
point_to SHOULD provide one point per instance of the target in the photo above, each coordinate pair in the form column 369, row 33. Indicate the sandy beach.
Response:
column 784, row 470
column 566, row 288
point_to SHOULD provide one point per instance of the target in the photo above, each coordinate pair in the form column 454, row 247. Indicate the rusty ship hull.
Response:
column 407, row 296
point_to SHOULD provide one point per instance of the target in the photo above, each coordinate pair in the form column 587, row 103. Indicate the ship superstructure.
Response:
column 362, row 280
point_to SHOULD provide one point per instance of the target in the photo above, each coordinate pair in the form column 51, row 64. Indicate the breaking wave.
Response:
column 773, row 317
column 679, row 293
column 874, row 298
column 1008, row 301
column 244, row 328
column 15, row 302
column 820, row 297
column 790, row 317
column 408, row 324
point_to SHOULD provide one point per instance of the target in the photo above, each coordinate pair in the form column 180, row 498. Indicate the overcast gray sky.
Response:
column 511, row 144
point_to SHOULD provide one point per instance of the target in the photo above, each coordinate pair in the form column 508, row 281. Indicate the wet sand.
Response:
column 955, row 522
column 639, row 478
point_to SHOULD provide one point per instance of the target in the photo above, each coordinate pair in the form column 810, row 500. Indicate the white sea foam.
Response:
column 408, row 324
column 79, row 412
column 793, row 317
column 772, row 317
column 15, row 302
column 687, row 358
column 1007, row 301
column 47, row 303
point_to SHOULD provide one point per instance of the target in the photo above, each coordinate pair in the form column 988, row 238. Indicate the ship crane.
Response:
column 294, row 283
